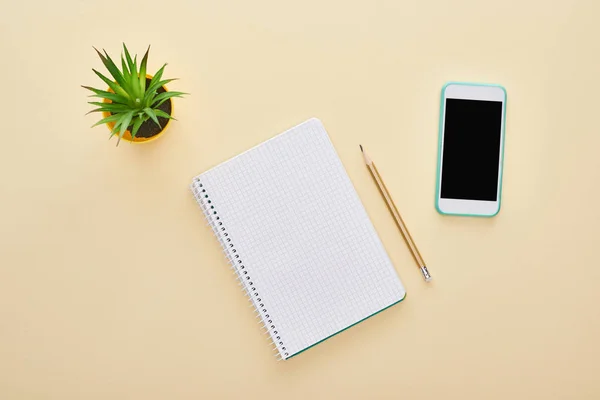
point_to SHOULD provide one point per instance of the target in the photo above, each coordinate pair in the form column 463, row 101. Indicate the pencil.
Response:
column 397, row 217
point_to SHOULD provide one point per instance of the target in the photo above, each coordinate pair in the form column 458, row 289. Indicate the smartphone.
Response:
column 470, row 149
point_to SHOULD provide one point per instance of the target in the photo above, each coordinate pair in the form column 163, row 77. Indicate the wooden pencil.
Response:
column 397, row 217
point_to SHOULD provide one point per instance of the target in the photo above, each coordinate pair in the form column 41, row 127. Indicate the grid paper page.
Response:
column 299, row 238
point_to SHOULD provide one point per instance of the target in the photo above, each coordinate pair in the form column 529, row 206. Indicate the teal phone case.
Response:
column 439, row 156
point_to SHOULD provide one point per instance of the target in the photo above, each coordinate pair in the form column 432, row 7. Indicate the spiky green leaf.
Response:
column 136, row 126
column 124, row 123
column 111, row 118
column 143, row 72
column 151, row 93
column 102, row 109
column 111, row 67
column 115, row 88
column 163, row 114
column 132, row 69
column 115, row 106
column 109, row 107
column 136, row 90
column 162, row 97
column 157, row 76
column 115, row 98
column 114, row 70
column 153, row 87
column 152, row 114
column 132, row 82
column 116, row 127
column 125, row 68
column 111, row 110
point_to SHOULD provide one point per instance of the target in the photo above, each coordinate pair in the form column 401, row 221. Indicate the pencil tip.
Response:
column 365, row 156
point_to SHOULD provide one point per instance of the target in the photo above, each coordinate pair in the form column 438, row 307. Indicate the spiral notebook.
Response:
column 298, row 238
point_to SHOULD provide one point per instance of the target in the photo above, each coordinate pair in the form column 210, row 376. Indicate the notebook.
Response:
column 298, row 238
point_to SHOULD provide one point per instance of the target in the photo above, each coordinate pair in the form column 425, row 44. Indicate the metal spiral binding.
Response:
column 242, row 274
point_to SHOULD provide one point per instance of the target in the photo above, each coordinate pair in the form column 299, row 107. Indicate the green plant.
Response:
column 128, row 101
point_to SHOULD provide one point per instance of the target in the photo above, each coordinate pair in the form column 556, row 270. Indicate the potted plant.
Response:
column 136, row 107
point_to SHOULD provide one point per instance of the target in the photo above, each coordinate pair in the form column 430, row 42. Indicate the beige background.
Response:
column 112, row 287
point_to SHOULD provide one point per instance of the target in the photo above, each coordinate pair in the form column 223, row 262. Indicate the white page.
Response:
column 298, row 227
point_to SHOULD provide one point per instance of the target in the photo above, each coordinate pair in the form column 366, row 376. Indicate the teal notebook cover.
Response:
column 298, row 238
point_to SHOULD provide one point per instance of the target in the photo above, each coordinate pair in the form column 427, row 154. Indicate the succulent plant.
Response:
column 129, row 101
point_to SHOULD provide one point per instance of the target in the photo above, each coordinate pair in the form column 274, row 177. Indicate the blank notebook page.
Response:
column 298, row 237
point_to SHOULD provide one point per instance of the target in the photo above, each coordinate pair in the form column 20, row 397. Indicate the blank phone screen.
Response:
column 471, row 149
